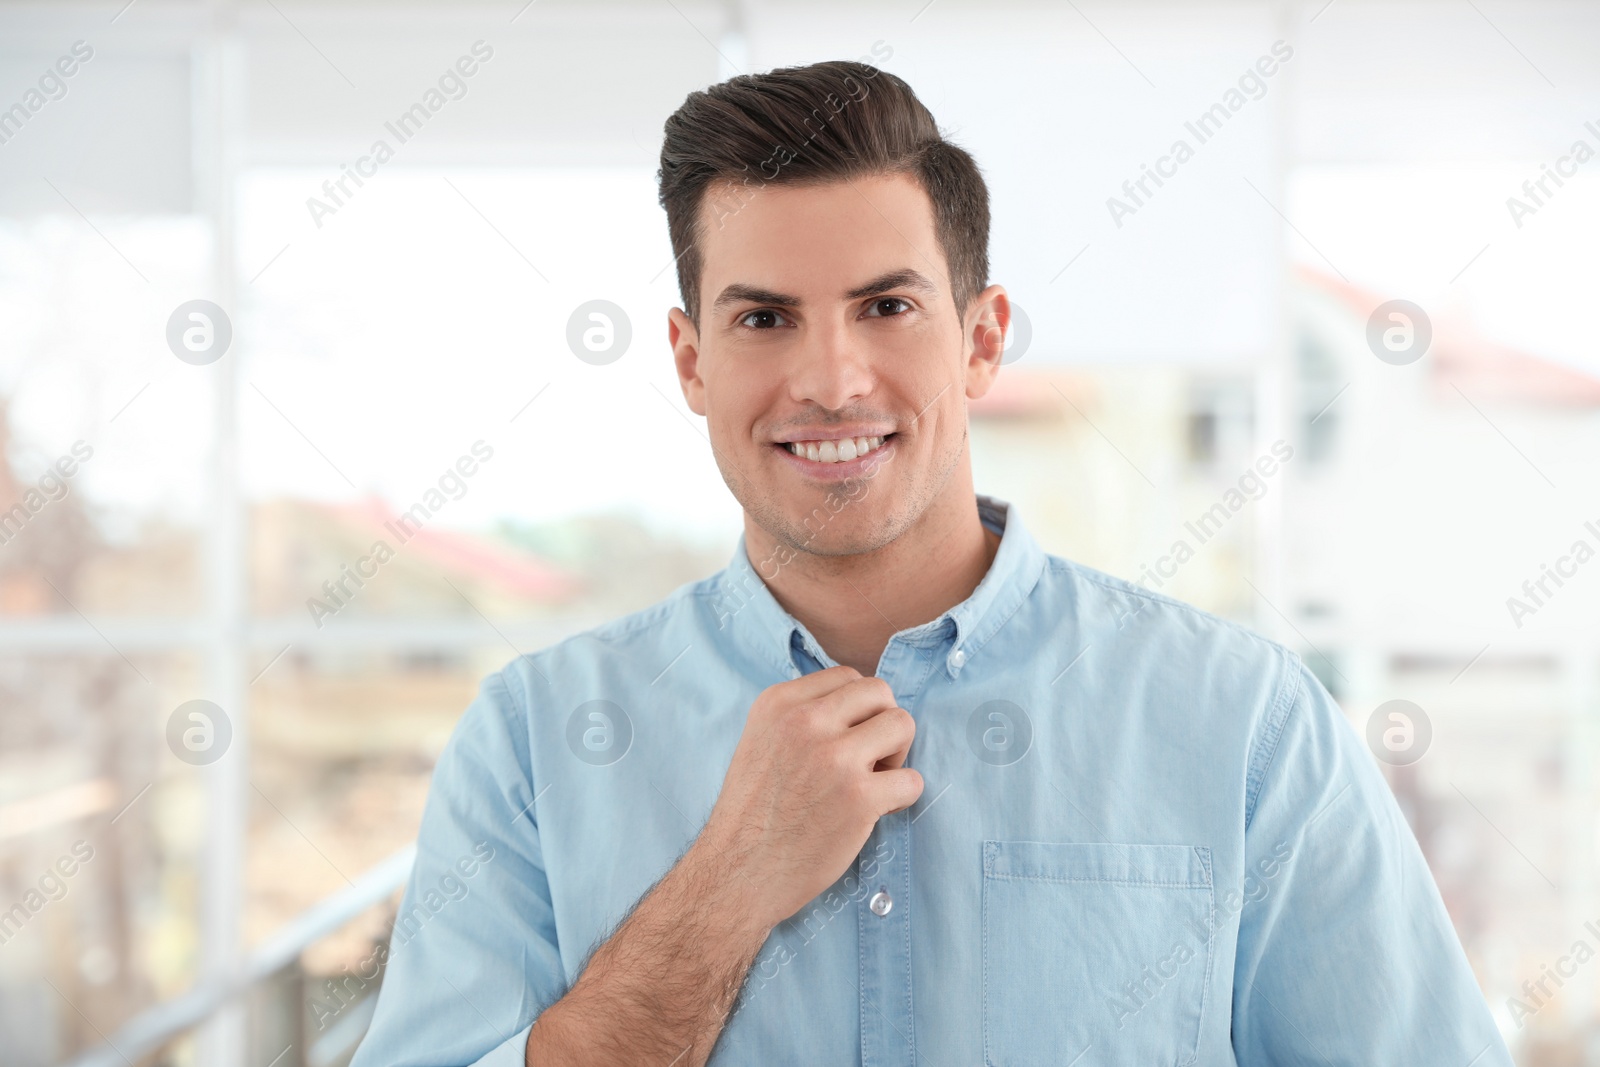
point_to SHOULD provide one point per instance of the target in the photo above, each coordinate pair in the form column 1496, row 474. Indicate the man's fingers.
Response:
column 885, row 736
column 893, row 760
column 819, row 684
column 896, row 790
column 857, row 701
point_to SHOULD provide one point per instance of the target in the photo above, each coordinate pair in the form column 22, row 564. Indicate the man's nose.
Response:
column 832, row 369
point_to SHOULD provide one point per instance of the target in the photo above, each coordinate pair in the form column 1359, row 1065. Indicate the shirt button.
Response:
column 881, row 902
column 957, row 660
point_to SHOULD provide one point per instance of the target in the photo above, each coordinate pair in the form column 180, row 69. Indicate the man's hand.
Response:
column 821, row 758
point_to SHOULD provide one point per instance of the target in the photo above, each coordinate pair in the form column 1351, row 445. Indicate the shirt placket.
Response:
column 883, row 915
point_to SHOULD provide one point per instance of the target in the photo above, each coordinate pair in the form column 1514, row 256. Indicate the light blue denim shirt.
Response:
column 1148, row 837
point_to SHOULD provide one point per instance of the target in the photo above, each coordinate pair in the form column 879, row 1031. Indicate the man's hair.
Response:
column 827, row 122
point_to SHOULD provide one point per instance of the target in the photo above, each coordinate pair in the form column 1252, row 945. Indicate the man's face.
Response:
column 830, row 361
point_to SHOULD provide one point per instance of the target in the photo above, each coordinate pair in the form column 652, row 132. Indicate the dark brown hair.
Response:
column 826, row 122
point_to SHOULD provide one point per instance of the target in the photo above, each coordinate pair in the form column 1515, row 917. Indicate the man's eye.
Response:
column 765, row 319
column 888, row 307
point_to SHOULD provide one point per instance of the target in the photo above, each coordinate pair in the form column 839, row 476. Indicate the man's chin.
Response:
column 852, row 530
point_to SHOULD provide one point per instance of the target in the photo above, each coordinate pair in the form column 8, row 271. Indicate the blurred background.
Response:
column 193, row 492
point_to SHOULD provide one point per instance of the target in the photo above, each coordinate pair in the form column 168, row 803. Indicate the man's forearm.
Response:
column 660, row 989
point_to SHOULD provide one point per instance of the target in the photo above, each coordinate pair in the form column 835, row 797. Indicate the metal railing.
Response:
column 158, row 1026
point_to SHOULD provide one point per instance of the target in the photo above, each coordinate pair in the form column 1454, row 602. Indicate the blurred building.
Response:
column 1171, row 349
column 343, row 738
column 1113, row 467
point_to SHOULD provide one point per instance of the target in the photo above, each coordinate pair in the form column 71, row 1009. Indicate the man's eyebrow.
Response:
column 740, row 293
column 904, row 278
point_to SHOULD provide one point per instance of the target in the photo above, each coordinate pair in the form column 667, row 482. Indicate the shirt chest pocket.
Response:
column 1096, row 951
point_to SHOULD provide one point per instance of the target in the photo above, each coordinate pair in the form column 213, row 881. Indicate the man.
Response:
column 896, row 787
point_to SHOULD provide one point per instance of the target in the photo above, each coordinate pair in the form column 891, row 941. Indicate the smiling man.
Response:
column 896, row 786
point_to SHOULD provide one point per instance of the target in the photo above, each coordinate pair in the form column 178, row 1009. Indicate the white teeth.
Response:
column 840, row 451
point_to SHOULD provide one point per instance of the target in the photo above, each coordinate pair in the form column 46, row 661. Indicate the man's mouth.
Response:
column 842, row 450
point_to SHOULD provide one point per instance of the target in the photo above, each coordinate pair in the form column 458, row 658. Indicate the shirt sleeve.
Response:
column 1346, row 955
column 473, row 957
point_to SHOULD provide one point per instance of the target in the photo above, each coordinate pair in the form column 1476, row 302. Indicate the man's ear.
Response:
column 685, row 342
column 987, row 321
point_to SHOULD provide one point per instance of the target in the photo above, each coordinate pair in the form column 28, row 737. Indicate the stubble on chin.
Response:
column 852, row 529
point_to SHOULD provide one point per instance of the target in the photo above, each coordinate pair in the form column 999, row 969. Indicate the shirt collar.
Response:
column 757, row 622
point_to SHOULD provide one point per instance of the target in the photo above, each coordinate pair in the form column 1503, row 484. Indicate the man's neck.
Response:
column 854, row 604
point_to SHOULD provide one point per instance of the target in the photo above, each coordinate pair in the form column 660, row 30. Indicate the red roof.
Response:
column 516, row 571
column 1482, row 367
